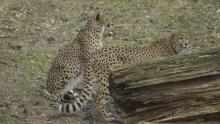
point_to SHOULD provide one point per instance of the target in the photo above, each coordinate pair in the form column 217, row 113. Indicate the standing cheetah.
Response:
column 101, row 61
column 67, row 70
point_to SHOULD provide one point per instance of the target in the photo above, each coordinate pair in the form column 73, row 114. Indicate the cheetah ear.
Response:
column 174, row 34
column 98, row 16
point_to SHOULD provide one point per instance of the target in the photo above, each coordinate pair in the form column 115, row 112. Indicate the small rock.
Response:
column 24, row 111
column 50, row 39
column 16, row 47
column 15, row 116
column 35, row 102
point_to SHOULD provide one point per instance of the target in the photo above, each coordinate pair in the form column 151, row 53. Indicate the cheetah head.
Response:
column 179, row 42
column 103, row 20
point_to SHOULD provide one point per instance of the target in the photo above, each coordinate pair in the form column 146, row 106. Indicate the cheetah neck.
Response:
column 102, row 30
column 173, row 48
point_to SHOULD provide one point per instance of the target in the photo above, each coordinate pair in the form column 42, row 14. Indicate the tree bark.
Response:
column 179, row 88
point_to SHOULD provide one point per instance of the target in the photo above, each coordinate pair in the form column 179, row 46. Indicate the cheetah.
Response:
column 68, row 67
column 104, row 58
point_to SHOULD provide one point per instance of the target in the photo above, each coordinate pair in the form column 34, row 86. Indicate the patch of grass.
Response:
column 41, row 27
column 183, row 23
column 29, row 59
column 34, row 64
column 165, row 17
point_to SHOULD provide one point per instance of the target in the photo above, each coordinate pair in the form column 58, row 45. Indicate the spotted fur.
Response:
column 67, row 70
column 102, row 59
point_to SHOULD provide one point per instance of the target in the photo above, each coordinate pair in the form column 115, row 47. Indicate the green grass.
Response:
column 41, row 27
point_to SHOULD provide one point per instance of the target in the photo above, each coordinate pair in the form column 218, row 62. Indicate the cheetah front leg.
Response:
column 104, row 101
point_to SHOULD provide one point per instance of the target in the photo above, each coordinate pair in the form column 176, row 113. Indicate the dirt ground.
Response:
column 32, row 31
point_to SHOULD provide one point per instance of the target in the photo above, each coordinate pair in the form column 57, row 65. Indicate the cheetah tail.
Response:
column 43, row 91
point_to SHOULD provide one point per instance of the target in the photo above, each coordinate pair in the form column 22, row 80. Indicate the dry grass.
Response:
column 31, row 32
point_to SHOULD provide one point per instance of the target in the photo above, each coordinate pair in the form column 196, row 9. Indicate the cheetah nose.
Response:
column 108, row 25
column 185, row 45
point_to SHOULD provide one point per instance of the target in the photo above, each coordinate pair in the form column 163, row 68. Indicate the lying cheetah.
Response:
column 67, row 70
column 101, row 61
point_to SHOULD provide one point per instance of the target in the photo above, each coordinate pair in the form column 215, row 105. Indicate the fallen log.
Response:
column 180, row 88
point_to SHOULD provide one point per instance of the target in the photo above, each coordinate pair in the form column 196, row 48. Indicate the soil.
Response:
column 32, row 32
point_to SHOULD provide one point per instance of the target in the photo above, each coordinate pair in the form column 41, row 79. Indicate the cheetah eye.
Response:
column 110, row 24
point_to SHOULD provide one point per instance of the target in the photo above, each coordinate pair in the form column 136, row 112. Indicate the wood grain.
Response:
column 179, row 88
